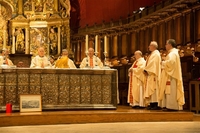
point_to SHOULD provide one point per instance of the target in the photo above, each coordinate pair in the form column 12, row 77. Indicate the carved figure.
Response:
column 19, row 39
column 65, row 9
column 53, row 38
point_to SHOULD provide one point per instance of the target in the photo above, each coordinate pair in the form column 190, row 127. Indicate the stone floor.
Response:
column 125, row 127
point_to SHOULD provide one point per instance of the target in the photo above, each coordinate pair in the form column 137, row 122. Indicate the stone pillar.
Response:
column 20, row 7
column 56, row 5
column 27, row 45
column 13, row 41
column 58, row 40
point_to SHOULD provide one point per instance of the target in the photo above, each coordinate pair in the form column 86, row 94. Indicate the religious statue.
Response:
column 65, row 8
column 38, row 39
column 28, row 5
column 19, row 40
column 49, row 5
column 39, row 5
column 1, row 39
column 53, row 38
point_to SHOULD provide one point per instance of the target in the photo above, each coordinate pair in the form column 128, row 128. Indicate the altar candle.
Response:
column 96, row 43
column 105, row 44
column 86, row 43
column 8, row 108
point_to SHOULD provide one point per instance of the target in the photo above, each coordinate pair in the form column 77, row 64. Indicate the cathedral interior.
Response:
column 114, row 28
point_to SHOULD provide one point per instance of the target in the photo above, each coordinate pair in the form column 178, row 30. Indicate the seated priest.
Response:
column 91, row 60
column 40, row 61
column 4, row 58
column 64, row 61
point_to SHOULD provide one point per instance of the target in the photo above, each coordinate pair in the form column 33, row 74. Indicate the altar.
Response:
column 61, row 89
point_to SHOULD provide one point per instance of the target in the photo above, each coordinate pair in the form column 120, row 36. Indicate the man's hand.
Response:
column 130, row 70
column 145, row 73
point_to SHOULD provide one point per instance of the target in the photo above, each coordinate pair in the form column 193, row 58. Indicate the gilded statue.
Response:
column 53, row 38
column 19, row 40
column 1, row 39
column 39, row 5
column 38, row 39
column 28, row 5
column 65, row 8
column 49, row 5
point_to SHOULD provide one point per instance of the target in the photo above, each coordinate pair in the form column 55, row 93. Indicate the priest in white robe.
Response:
column 136, row 82
column 4, row 58
column 152, row 71
column 64, row 61
column 40, row 61
column 91, row 61
column 171, row 86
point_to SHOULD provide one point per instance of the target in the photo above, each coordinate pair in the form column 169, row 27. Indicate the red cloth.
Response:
column 8, row 108
column 135, row 64
column 131, row 86
column 91, row 62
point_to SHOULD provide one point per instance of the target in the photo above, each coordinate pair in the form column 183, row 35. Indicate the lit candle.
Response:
column 96, row 43
column 86, row 43
column 105, row 44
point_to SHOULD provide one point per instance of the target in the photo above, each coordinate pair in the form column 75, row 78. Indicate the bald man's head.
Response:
column 91, row 52
column 138, row 54
column 153, row 46
column 41, row 51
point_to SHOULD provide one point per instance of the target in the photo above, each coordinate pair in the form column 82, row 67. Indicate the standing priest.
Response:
column 171, row 88
column 136, row 80
column 152, row 71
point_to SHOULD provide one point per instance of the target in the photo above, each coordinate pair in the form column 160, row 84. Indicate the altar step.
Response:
column 122, row 114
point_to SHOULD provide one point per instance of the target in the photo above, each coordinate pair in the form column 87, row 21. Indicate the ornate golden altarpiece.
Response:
column 60, row 88
column 29, row 24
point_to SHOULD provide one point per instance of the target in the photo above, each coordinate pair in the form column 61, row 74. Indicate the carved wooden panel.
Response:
column 49, row 91
column 35, row 83
column 96, row 93
column 161, row 35
column 64, row 87
column 75, row 89
column 197, row 25
column 2, row 89
column 178, row 30
column 85, row 89
column 124, row 44
column 133, row 46
column 187, row 27
column 60, row 89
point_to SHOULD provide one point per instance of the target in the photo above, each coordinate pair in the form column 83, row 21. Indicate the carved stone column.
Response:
column 4, row 38
column 27, row 51
column 48, row 47
column 13, row 41
column 59, row 40
column 56, row 5
column 79, row 51
column 20, row 7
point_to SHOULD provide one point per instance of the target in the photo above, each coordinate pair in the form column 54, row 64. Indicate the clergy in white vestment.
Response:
column 152, row 71
column 4, row 58
column 136, row 82
column 91, row 61
column 171, row 86
column 40, row 61
column 64, row 61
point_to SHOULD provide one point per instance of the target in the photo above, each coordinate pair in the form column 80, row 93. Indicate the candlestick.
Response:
column 96, row 43
column 105, row 44
column 86, row 43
